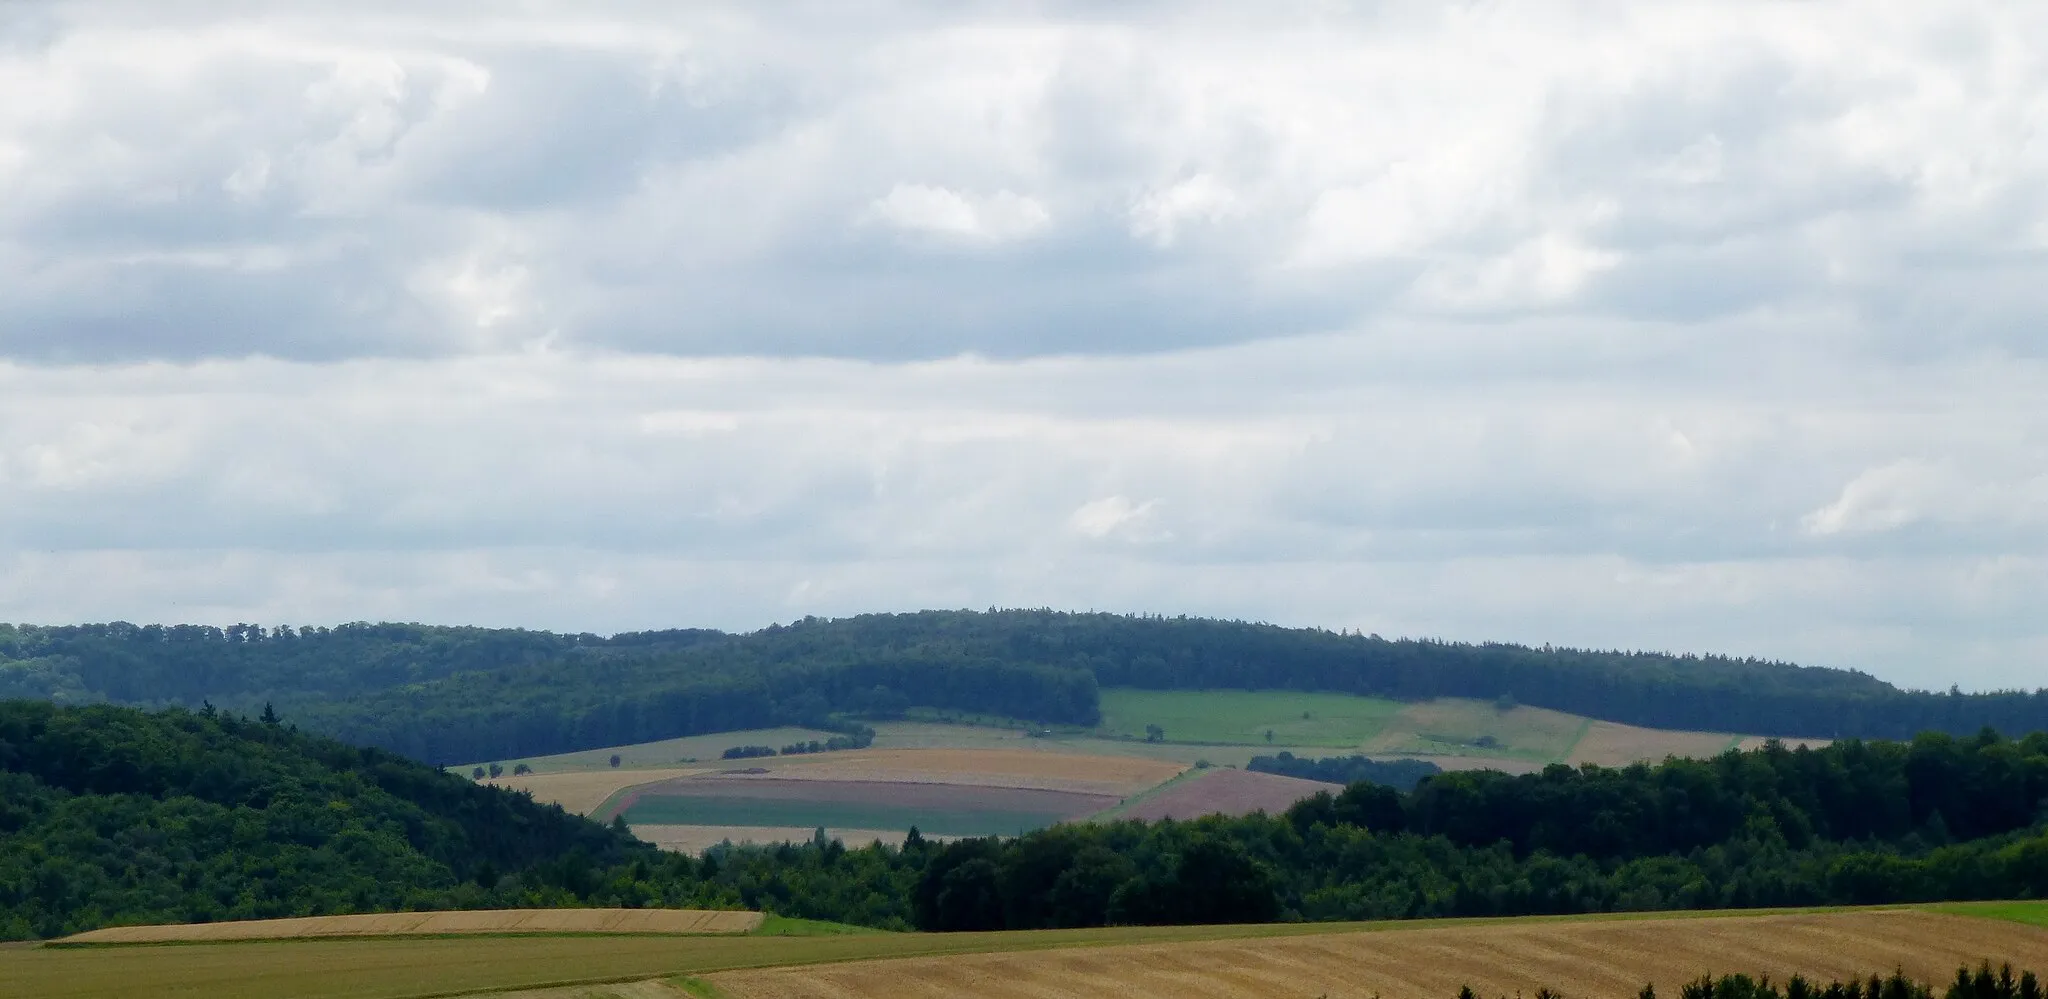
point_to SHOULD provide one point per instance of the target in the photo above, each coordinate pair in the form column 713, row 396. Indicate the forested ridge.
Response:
column 459, row 694
column 117, row 815
column 114, row 815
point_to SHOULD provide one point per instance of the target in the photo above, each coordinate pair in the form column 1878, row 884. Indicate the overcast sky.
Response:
column 1688, row 326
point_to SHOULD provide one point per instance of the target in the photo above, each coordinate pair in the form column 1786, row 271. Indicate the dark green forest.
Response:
column 116, row 815
column 1398, row 774
column 449, row 695
column 110, row 815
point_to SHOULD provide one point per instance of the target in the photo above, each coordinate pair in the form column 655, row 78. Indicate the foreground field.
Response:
column 1583, row 959
column 496, row 921
column 1202, row 960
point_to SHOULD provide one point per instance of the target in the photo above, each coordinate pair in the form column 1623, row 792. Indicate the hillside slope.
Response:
column 112, row 815
column 450, row 694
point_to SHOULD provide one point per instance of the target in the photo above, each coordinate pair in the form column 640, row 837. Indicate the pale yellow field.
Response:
column 1021, row 768
column 1430, row 729
column 1584, row 960
column 691, row 750
column 697, row 839
column 1611, row 744
column 659, row 921
column 582, row 791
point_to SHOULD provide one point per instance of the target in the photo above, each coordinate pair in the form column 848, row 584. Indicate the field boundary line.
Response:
column 1573, row 747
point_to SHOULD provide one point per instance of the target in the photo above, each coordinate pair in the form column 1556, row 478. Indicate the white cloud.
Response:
column 1174, row 175
column 1000, row 217
column 1117, row 517
column 1881, row 499
column 1159, row 215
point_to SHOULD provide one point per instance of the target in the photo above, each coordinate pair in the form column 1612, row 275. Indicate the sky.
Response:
column 1712, row 327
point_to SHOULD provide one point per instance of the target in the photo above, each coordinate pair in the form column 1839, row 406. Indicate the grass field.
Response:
column 408, row 968
column 1243, row 717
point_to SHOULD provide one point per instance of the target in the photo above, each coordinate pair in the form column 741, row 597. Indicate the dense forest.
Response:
column 110, row 815
column 1354, row 769
column 448, row 695
column 115, row 815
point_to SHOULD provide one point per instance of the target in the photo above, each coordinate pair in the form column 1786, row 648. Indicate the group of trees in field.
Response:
column 116, row 815
column 447, row 695
column 1353, row 769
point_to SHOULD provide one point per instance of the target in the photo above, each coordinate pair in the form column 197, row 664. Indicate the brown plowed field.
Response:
column 1023, row 768
column 657, row 921
column 1224, row 792
column 1584, row 960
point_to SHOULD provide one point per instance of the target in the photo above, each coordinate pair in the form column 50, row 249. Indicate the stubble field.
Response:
column 1587, row 957
column 1580, row 959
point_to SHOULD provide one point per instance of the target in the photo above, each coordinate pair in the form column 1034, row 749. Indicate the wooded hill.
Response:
column 110, row 815
column 456, row 694
column 113, row 815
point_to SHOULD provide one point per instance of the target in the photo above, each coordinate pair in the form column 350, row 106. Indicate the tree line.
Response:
column 465, row 694
column 111, row 815
column 1357, row 768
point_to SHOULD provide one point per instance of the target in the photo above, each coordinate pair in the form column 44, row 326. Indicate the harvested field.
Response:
column 1222, row 792
column 1017, row 768
column 685, row 751
column 946, row 809
column 585, row 792
column 1584, row 960
column 1612, row 745
column 655, row 921
column 697, row 839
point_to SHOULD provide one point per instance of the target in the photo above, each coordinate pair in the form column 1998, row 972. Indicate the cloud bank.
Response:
column 1680, row 326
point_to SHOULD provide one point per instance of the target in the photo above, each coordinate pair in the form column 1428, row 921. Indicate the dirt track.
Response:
column 1584, row 960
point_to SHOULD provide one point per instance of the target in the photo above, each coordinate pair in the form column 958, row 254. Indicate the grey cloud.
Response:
column 690, row 182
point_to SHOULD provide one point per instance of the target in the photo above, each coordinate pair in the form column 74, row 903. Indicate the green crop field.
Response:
column 2032, row 913
column 1243, row 717
column 707, row 810
column 371, row 968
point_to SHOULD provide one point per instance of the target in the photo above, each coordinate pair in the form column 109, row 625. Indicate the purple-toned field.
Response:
column 1224, row 791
